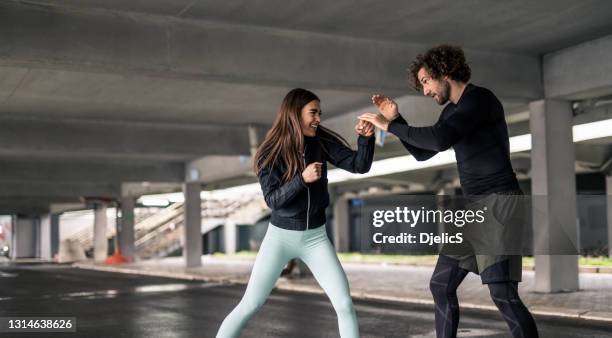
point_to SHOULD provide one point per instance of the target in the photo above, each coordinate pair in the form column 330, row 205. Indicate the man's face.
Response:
column 438, row 89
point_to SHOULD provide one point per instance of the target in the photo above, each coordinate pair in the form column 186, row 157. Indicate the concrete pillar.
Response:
column 609, row 211
column 125, row 228
column 25, row 237
column 342, row 234
column 553, row 184
column 230, row 236
column 192, row 248
column 100, row 242
column 49, row 236
column 55, row 234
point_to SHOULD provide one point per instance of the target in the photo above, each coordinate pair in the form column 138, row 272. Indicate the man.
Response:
column 473, row 124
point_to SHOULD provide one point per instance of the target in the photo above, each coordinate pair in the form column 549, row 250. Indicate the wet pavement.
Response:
column 395, row 282
column 110, row 304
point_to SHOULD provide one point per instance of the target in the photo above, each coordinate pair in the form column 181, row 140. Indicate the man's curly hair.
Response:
column 443, row 60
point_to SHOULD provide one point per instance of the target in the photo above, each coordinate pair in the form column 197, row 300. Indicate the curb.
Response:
column 582, row 269
column 105, row 268
column 596, row 316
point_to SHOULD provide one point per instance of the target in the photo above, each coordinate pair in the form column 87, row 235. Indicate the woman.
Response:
column 292, row 171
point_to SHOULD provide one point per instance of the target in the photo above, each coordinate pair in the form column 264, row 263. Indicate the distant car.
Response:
column 4, row 251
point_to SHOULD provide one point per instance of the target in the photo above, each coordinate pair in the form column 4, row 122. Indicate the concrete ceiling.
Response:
column 100, row 92
column 531, row 27
column 144, row 98
column 73, row 59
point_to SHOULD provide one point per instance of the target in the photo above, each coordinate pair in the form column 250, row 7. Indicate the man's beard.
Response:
column 444, row 94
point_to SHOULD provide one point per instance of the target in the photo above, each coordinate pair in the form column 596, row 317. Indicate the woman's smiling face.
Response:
column 311, row 118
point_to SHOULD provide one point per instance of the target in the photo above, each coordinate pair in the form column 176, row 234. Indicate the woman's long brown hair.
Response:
column 285, row 140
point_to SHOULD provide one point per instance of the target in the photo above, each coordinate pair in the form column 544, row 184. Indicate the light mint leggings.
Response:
column 278, row 247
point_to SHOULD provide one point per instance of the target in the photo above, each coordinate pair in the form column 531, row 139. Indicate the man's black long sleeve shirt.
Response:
column 476, row 129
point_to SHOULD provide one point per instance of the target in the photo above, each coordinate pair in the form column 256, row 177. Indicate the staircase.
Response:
column 160, row 234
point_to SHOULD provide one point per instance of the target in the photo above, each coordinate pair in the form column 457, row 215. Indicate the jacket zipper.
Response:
column 308, row 190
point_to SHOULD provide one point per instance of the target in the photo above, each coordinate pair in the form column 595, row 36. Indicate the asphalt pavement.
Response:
column 108, row 304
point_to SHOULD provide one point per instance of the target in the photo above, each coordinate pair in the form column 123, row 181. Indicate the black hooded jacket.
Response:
column 297, row 205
